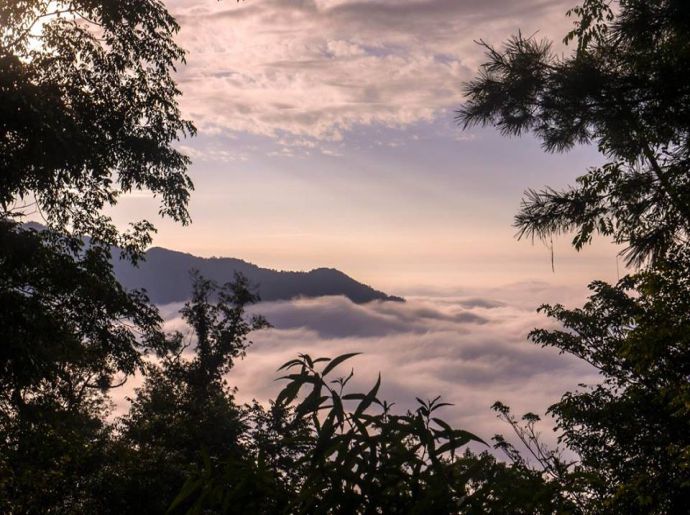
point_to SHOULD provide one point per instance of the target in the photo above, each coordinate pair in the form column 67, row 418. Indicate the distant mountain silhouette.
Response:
column 165, row 276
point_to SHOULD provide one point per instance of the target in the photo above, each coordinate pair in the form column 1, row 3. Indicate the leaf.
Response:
column 288, row 394
column 461, row 433
column 440, row 405
column 366, row 402
column 301, row 378
column 444, row 425
column 311, row 404
column 324, row 437
column 354, row 397
column 361, row 427
column 289, row 364
column 190, row 486
column 452, row 445
column 337, row 361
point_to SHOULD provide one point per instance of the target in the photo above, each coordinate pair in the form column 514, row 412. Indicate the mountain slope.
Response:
column 165, row 276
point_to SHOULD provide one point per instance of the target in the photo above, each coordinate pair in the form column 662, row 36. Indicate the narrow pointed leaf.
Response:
column 337, row 361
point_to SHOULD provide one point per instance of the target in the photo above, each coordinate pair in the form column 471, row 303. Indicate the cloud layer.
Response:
column 316, row 68
column 471, row 349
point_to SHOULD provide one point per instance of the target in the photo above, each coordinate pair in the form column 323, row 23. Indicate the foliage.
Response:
column 69, row 333
column 185, row 405
column 353, row 454
column 563, row 481
column 499, row 487
column 88, row 111
column 626, row 89
column 367, row 457
column 632, row 430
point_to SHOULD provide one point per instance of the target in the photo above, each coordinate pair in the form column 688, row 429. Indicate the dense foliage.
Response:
column 632, row 432
column 360, row 459
column 336, row 451
column 87, row 112
column 185, row 404
column 626, row 89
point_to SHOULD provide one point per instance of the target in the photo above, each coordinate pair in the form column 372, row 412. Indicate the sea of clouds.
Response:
column 471, row 348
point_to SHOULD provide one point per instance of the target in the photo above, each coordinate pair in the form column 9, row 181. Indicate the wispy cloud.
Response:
column 317, row 68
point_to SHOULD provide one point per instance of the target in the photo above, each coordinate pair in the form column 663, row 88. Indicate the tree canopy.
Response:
column 625, row 88
column 88, row 112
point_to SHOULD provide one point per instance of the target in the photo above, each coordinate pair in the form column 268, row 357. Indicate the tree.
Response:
column 88, row 112
column 632, row 431
column 186, row 409
column 625, row 88
column 323, row 449
column 69, row 333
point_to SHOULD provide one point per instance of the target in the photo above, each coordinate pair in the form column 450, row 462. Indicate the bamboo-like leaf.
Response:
column 338, row 407
column 452, row 445
column 289, row 364
column 440, row 405
column 366, row 402
column 288, row 394
column 310, row 404
column 337, row 361
column 354, row 397
column 444, row 425
column 325, row 434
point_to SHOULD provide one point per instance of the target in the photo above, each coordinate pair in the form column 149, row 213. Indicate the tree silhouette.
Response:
column 186, row 408
column 625, row 87
column 88, row 113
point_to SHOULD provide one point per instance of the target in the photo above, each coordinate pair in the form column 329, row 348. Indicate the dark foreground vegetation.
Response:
column 90, row 112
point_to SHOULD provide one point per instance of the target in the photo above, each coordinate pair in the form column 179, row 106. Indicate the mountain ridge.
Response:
column 160, row 265
column 164, row 274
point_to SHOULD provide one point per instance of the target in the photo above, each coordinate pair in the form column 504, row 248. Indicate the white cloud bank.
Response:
column 471, row 349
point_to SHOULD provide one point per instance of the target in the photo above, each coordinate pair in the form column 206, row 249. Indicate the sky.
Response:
column 327, row 138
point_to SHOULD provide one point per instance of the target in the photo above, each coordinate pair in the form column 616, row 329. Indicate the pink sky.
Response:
column 327, row 139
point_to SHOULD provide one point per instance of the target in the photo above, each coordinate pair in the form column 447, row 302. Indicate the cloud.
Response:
column 471, row 349
column 337, row 317
column 319, row 68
